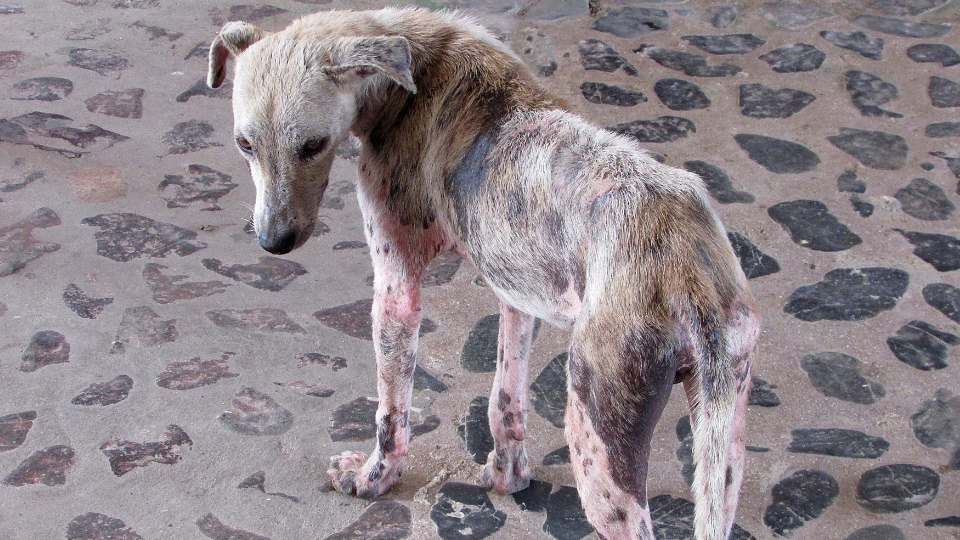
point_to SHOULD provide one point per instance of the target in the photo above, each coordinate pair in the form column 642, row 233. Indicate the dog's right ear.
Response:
column 233, row 39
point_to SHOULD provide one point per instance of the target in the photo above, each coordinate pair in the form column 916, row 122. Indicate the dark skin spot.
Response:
column 618, row 515
column 729, row 476
column 508, row 419
column 503, row 400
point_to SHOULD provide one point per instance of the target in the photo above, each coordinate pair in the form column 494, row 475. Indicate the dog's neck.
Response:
column 453, row 67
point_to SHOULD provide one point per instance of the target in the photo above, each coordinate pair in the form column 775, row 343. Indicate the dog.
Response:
column 462, row 149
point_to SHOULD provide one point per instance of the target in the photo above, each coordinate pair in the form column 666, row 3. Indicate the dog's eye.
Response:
column 312, row 148
column 244, row 145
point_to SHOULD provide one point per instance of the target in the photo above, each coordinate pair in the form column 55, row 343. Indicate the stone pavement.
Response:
column 161, row 377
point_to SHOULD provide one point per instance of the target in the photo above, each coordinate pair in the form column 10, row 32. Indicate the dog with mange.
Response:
column 463, row 150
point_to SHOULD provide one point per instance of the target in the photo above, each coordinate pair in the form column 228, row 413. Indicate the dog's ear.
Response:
column 360, row 57
column 233, row 39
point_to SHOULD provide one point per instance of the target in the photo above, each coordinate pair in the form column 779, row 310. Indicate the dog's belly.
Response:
column 559, row 311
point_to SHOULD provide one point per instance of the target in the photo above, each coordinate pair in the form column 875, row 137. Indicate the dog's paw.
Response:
column 352, row 473
column 507, row 470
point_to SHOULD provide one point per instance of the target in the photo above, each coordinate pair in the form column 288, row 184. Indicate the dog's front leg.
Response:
column 507, row 470
column 396, row 325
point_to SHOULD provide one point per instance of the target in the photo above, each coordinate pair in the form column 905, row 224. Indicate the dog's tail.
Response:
column 722, row 381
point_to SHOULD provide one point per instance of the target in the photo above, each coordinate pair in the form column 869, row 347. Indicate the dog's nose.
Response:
column 279, row 243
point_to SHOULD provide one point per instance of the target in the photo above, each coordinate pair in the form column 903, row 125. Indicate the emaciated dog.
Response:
column 462, row 149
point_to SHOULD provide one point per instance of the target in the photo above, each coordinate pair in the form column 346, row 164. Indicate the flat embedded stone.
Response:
column 268, row 273
column 877, row 532
column 791, row 15
column 940, row 251
column 759, row 101
column 101, row 61
column 474, row 431
column 48, row 466
column 939, row 53
column 14, row 429
column 904, row 7
column 848, row 182
column 255, row 413
column 189, row 136
column 123, row 237
column 799, row 498
column 630, row 21
column 465, row 511
column 901, row 27
column 673, row 519
column 754, row 262
column 718, row 183
column 849, row 294
column 777, row 155
column 195, row 373
column 726, row 44
column 85, row 306
column 940, row 130
column 811, row 225
column 535, row 497
column 834, row 442
column 202, row 187
column 681, row 95
column 256, row 319
column 922, row 346
column 762, row 394
column 858, row 42
column 944, row 93
column 57, row 133
column 607, row 94
column 925, row 200
column 566, row 519
column 723, row 16
column 168, row 287
column 95, row 526
column 124, row 456
column 838, row 375
column 897, row 488
column 550, row 391
column 46, row 348
column 874, row 149
column 107, row 393
column 597, row 55
column 560, row 456
column 211, row 527
column 945, row 298
column 868, row 92
column 119, row 103
column 937, row 425
column 795, row 58
column 694, row 65
column 354, row 319
column 658, row 130
column 382, row 520
column 42, row 89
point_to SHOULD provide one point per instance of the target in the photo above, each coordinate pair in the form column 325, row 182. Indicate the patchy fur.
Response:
column 463, row 150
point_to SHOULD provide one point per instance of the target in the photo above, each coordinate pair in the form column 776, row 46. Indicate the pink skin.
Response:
column 507, row 470
column 399, row 253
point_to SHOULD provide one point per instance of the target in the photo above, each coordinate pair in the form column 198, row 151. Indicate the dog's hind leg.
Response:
column 507, row 470
column 396, row 323
column 718, row 395
column 618, row 385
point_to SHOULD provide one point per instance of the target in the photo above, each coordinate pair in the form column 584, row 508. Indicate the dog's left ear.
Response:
column 357, row 58
column 234, row 38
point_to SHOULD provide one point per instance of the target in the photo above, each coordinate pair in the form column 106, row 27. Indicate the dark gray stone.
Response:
column 937, row 425
column 874, row 149
column 943, row 129
column 124, row 237
column 864, row 45
column 673, row 520
column 535, row 497
column 834, row 442
column 100, row 61
column 900, row 27
column 949, row 521
column 762, row 394
column 945, row 298
column 125, row 456
column 811, row 225
column 777, row 155
column 606, row 94
column 42, row 89
column 693, row 65
column 597, row 55
column 83, row 305
column 939, row 250
column 560, row 456
column 464, row 511
column 474, row 431
column 868, row 92
column 659, row 130
column 944, row 55
column 904, row 7
column 793, row 15
column 189, row 136
column 754, row 262
column 195, row 373
column 268, row 274
column 726, row 44
column 722, row 16
column 897, row 488
column 94, row 526
column 944, row 93
column 801, row 497
column 53, row 132
column 550, row 391
column 849, row 294
column 255, row 413
column 211, row 527
column 203, row 186
column 15, row 427
column 925, row 200
column 566, row 519
column 838, row 375
column 796, row 58
column 685, row 450
column 681, row 95
column 48, row 466
column 480, row 350
column 108, row 393
column 122, row 104
column 877, row 532
column 861, row 207
column 424, row 380
column 718, row 183
column 630, row 21
column 848, row 182
column 46, row 347
column 759, row 101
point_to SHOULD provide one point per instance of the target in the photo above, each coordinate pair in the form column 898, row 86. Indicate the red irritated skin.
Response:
column 463, row 150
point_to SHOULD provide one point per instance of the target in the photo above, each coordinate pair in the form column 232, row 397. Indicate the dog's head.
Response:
column 295, row 98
